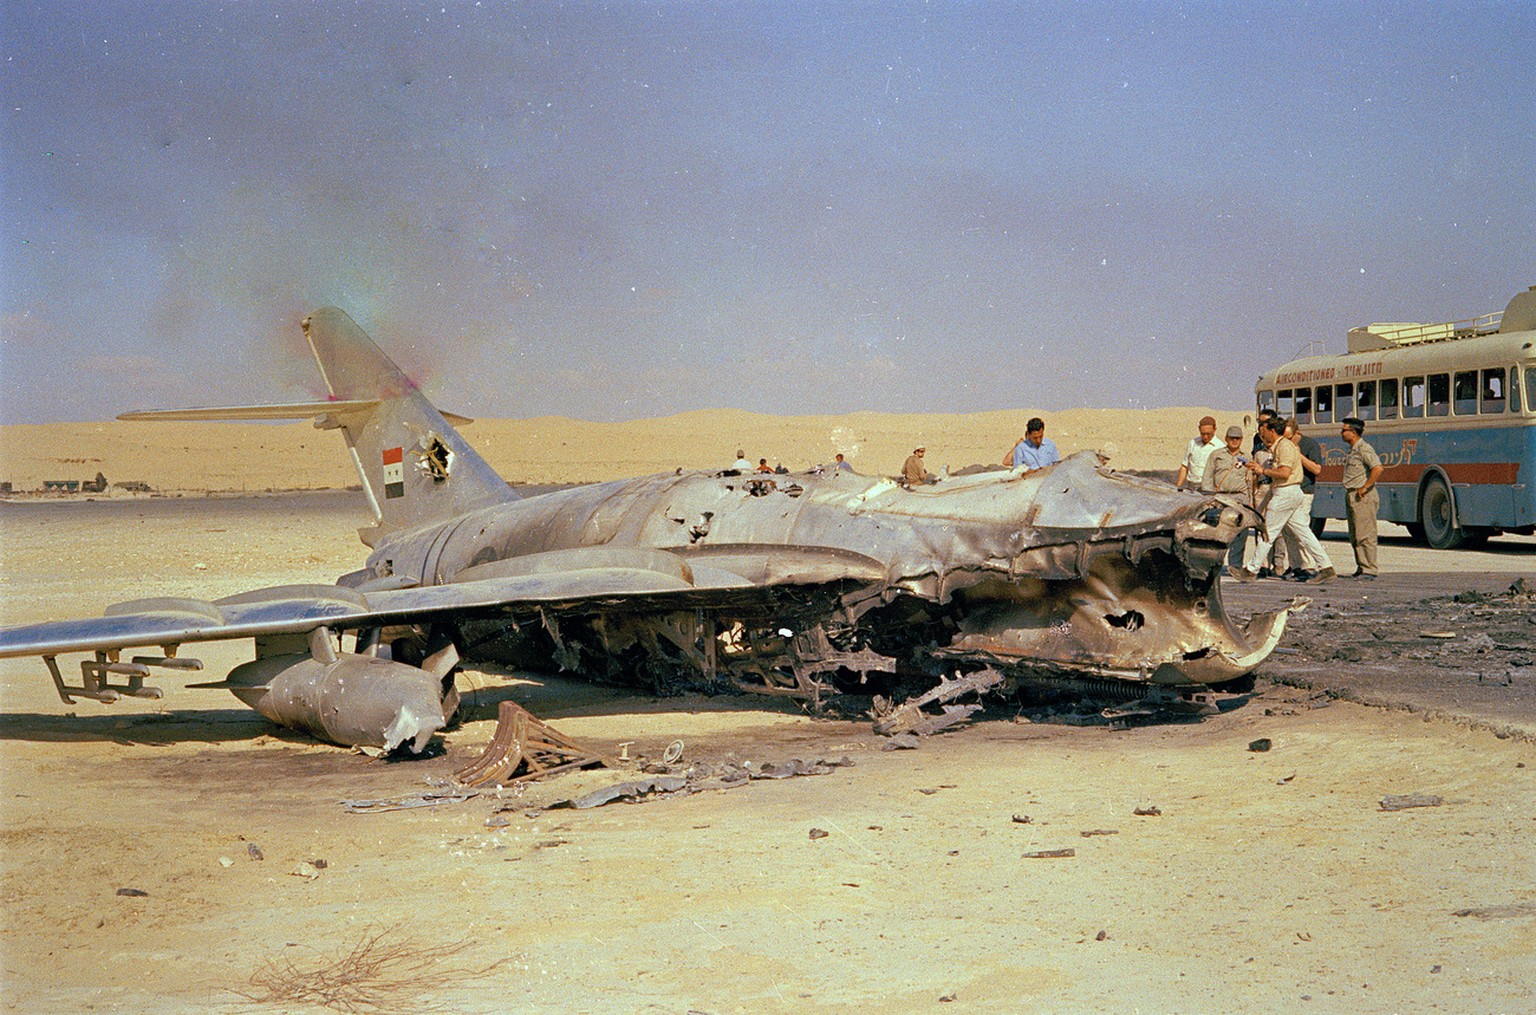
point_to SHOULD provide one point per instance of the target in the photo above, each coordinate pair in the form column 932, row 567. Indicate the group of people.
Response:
column 744, row 464
column 1278, row 475
column 1032, row 451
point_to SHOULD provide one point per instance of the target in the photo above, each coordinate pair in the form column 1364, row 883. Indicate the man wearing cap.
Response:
column 1362, row 469
column 1227, row 472
column 912, row 472
column 1198, row 453
column 1034, row 450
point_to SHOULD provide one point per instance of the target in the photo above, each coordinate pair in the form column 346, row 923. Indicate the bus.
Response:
column 1451, row 410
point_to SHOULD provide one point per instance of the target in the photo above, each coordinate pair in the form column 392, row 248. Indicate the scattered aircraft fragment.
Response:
column 778, row 584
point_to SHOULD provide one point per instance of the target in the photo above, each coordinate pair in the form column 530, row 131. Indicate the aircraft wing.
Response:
column 580, row 578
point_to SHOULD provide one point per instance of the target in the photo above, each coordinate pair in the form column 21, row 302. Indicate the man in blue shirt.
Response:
column 1036, row 450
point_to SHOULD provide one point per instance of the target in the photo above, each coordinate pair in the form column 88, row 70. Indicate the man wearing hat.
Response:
column 913, row 473
column 1226, row 471
column 1362, row 469
column 1199, row 452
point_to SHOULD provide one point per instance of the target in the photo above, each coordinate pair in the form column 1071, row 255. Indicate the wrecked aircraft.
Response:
column 787, row 585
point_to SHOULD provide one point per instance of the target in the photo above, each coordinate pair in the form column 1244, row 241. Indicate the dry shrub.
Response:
column 385, row 971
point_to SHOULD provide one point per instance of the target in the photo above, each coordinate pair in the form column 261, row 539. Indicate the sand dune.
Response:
column 254, row 457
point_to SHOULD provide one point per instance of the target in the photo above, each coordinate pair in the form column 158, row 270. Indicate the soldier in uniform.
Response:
column 1362, row 469
column 1226, row 471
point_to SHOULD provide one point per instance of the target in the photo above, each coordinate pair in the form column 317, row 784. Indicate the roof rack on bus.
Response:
column 1518, row 315
column 1391, row 336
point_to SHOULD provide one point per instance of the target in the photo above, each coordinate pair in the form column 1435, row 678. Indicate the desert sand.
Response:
column 254, row 457
column 1265, row 881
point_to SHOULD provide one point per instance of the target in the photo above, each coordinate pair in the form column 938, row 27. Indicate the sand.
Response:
column 1267, row 881
column 255, row 457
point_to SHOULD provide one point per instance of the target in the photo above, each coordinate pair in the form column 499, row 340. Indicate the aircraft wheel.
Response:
column 1435, row 514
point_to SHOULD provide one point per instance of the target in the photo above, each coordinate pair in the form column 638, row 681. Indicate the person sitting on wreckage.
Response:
column 913, row 472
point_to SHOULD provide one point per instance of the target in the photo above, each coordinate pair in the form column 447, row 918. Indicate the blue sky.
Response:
column 622, row 210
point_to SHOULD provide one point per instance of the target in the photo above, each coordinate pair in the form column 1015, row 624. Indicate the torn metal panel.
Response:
column 524, row 749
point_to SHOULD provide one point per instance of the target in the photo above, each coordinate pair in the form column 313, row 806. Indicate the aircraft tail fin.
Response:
column 415, row 467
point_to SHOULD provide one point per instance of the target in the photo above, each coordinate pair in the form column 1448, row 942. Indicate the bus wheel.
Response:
column 1318, row 525
column 1435, row 507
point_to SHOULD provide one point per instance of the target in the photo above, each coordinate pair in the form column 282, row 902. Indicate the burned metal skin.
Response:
column 1073, row 570
column 780, row 584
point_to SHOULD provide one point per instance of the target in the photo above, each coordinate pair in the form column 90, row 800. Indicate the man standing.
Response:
column 1282, row 513
column 1227, row 472
column 1258, row 436
column 842, row 465
column 1034, row 450
column 1198, row 453
column 913, row 473
column 1289, row 561
column 1362, row 470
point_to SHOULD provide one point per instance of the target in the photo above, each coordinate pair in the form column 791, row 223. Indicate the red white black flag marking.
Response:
column 394, row 472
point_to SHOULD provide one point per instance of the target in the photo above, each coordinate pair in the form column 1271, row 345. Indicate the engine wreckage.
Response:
column 1073, row 575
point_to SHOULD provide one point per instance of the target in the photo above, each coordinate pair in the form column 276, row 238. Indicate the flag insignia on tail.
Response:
column 394, row 472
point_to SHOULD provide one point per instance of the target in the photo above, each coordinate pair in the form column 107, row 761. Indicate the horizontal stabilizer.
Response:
column 261, row 413
column 292, row 410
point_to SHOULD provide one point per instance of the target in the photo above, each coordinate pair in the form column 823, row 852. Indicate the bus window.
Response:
column 1389, row 399
column 1344, row 400
column 1465, row 385
column 1413, row 397
column 1323, row 411
column 1493, row 396
column 1286, row 406
column 1530, row 384
column 1366, row 407
column 1439, row 394
column 1514, row 389
column 1303, row 405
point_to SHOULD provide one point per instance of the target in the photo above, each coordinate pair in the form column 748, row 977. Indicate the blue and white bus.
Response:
column 1451, row 410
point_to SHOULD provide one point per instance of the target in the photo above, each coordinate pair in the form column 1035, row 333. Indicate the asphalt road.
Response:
column 1442, row 632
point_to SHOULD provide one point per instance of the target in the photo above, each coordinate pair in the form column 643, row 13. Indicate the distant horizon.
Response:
column 1045, row 413
column 656, row 206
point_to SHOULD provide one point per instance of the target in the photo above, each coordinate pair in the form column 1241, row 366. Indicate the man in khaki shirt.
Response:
column 1361, row 501
column 1226, row 471
column 1283, row 512
column 913, row 473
